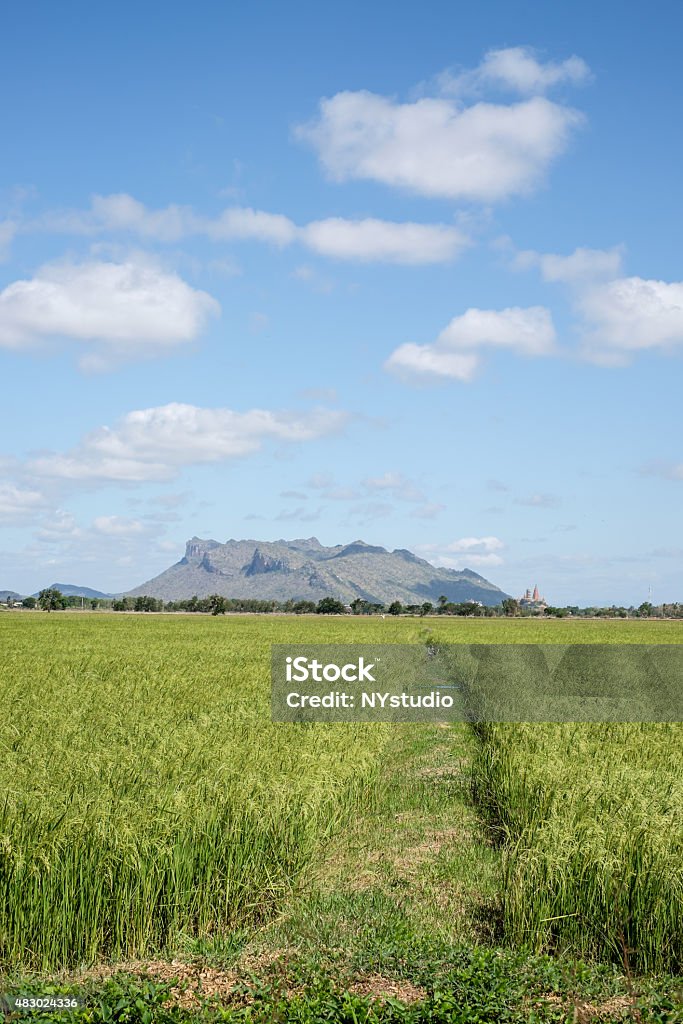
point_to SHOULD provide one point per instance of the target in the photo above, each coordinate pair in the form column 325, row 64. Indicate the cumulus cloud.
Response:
column 127, row 309
column 244, row 223
column 373, row 240
column 118, row 526
column 17, row 504
column 154, row 444
column 438, row 146
column 583, row 266
column 456, row 352
column 423, row 361
column 121, row 212
column 630, row 314
column 368, row 240
column 618, row 315
column 518, row 69
column 465, row 552
column 481, row 545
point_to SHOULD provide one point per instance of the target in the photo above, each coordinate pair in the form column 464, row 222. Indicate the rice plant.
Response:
column 591, row 815
column 145, row 792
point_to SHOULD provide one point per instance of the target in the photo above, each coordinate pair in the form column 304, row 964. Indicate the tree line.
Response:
column 51, row 599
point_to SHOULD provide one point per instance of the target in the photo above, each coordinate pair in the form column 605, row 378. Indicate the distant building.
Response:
column 532, row 600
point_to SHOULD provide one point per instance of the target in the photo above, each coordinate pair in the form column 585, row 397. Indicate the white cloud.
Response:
column 436, row 146
column 455, row 353
column 18, row 504
column 396, row 484
column 467, row 561
column 369, row 240
column 373, row 240
column 121, row 212
column 59, row 526
column 154, row 444
column 581, row 267
column 245, row 223
column 630, row 314
column 481, row 545
column 425, row 361
column 118, row 526
column 619, row 316
column 518, row 69
column 465, row 552
column 127, row 309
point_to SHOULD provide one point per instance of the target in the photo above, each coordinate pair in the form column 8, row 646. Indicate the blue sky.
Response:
column 402, row 272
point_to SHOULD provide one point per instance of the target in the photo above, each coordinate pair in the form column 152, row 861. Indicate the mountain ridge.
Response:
column 72, row 590
column 304, row 569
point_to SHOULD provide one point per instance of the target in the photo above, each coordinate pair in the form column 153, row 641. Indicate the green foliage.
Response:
column 591, row 815
column 146, row 793
column 149, row 800
column 50, row 599
column 217, row 604
column 330, row 606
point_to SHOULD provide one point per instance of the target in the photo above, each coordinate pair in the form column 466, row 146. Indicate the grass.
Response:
column 146, row 792
column 395, row 920
column 591, row 818
column 152, row 809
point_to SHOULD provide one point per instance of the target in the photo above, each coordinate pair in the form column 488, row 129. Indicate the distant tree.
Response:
column 217, row 604
column 303, row 607
column 330, row 606
column 426, row 608
column 50, row 599
column 358, row 606
column 94, row 603
column 510, row 606
column 645, row 610
column 395, row 608
column 29, row 602
column 442, row 602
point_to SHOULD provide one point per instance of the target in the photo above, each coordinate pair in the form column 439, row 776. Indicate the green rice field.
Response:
column 147, row 797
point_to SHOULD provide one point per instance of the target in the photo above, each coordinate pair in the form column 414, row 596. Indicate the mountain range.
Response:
column 71, row 590
column 305, row 569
